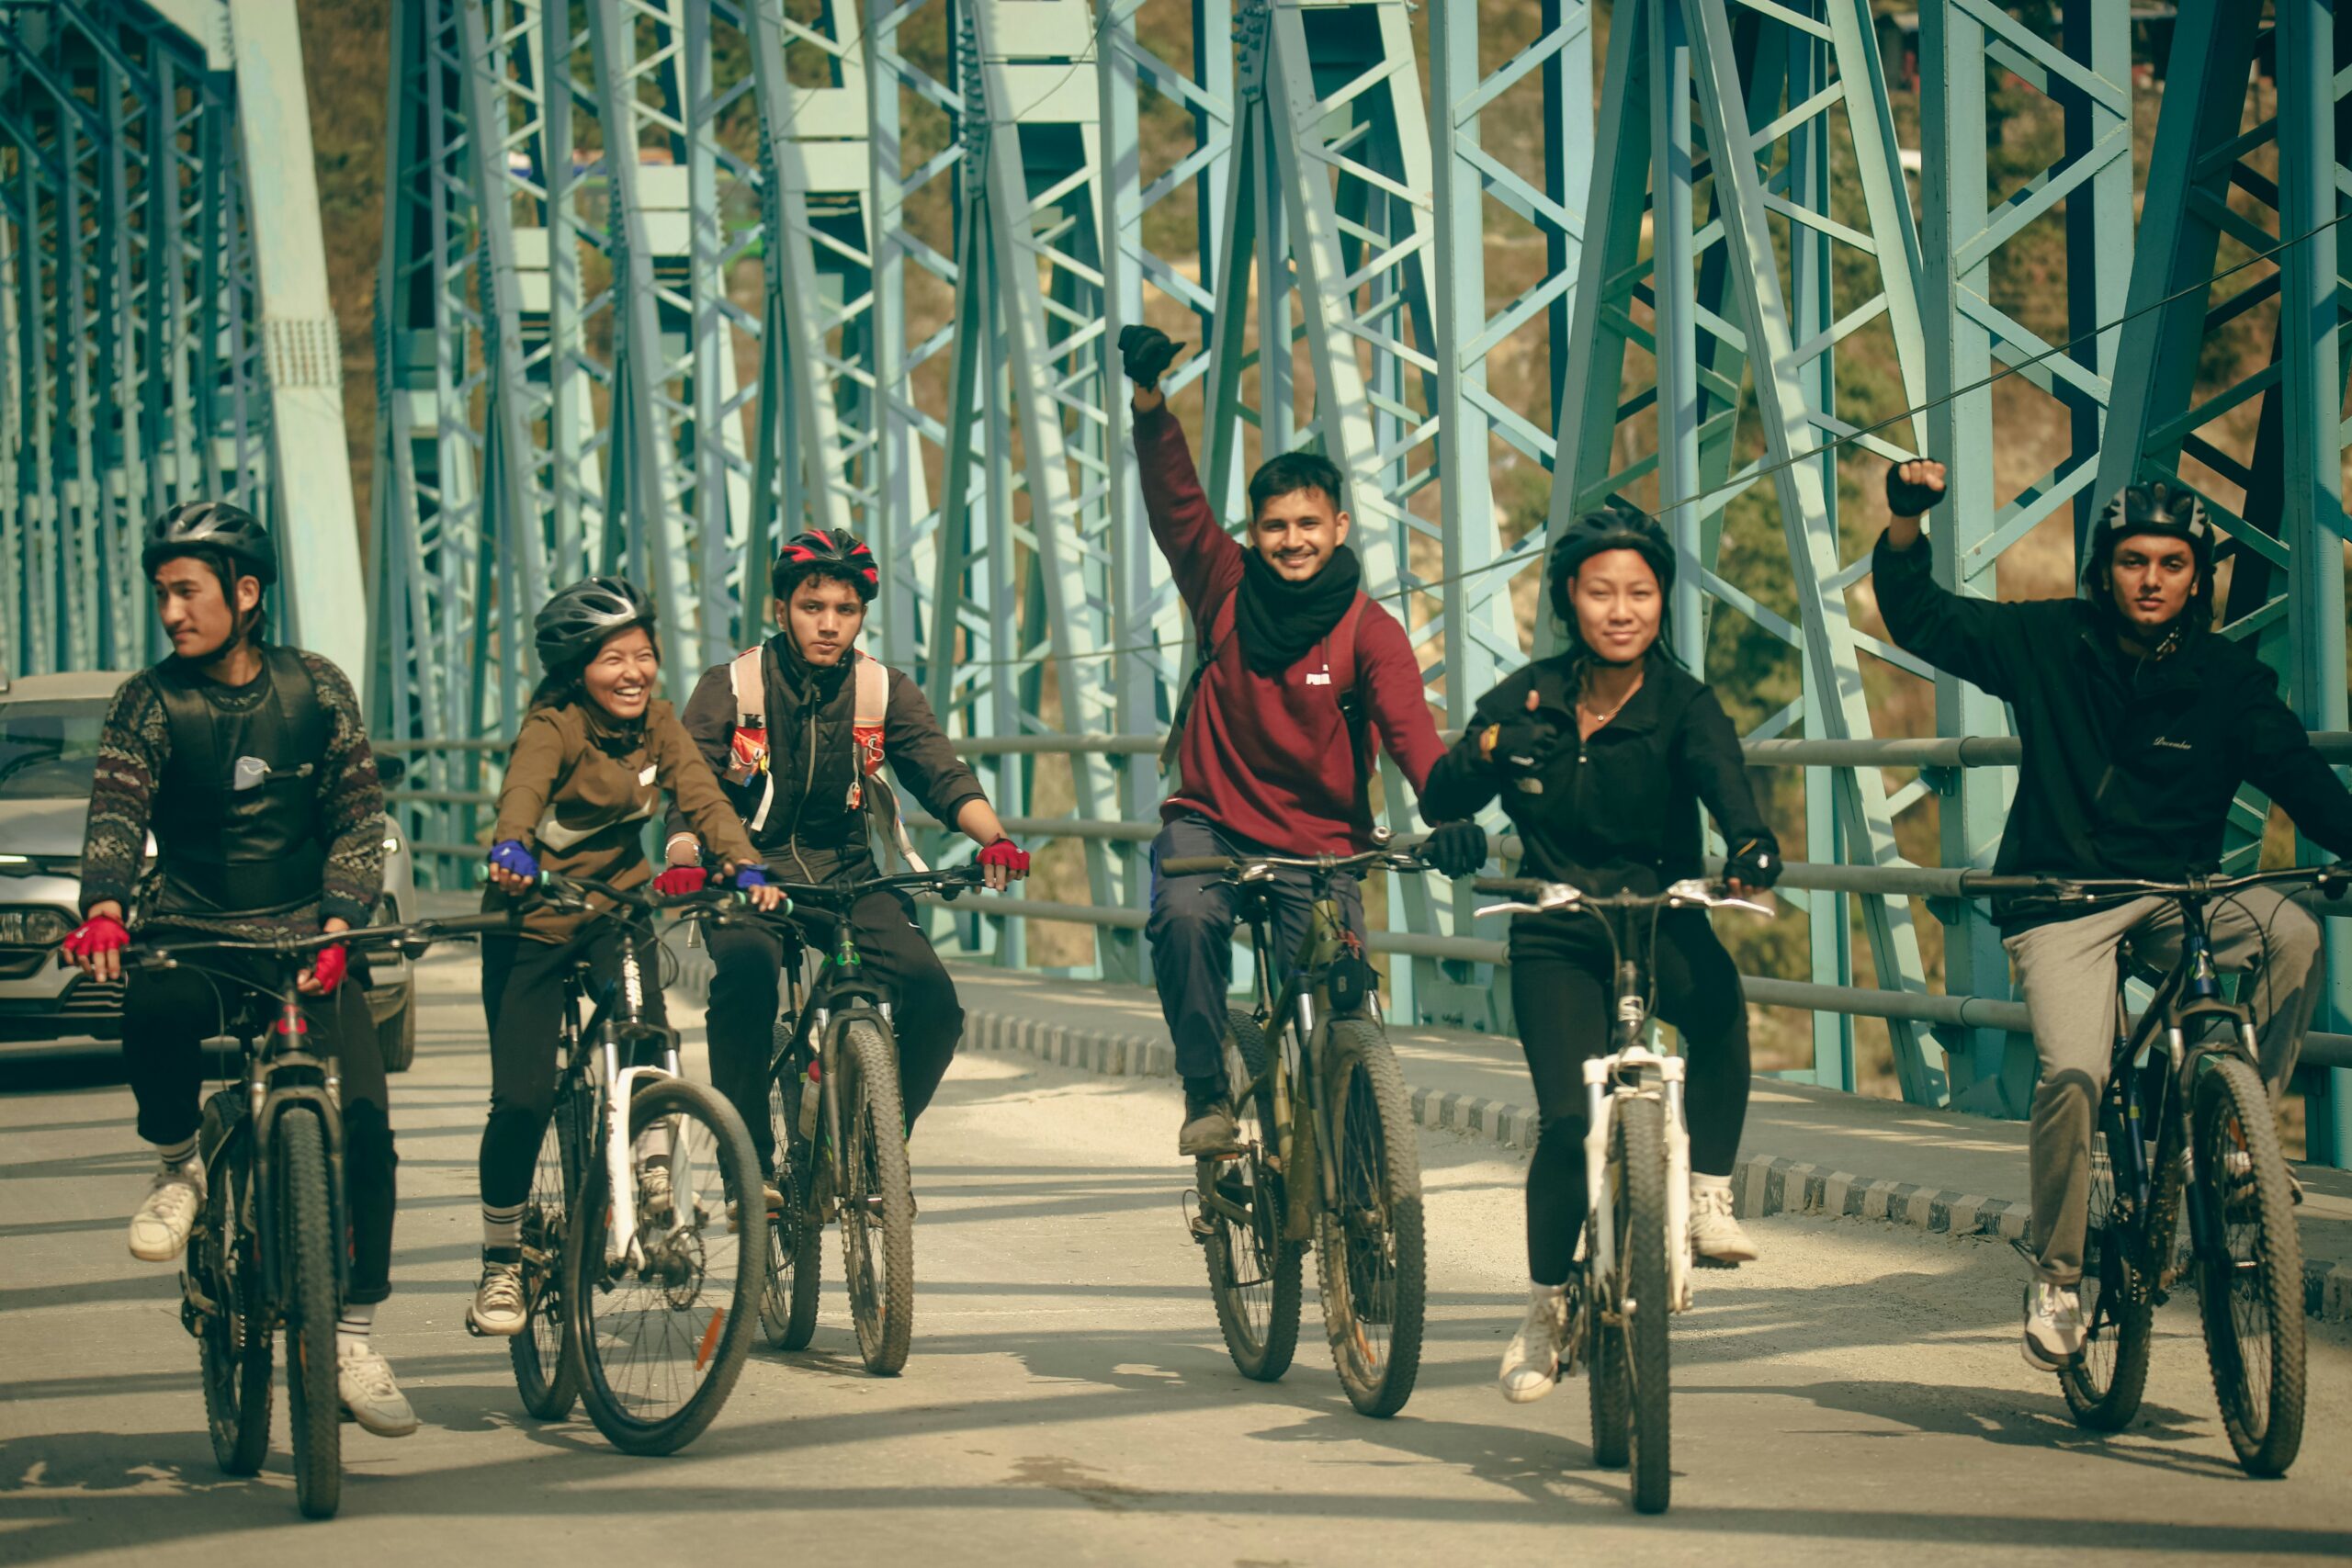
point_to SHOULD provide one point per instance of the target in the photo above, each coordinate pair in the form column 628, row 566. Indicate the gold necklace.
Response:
column 1600, row 720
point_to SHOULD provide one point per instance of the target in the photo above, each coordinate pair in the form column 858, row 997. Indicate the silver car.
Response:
column 49, row 747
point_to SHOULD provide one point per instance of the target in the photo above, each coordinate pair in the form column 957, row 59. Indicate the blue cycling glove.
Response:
column 752, row 876
column 509, row 855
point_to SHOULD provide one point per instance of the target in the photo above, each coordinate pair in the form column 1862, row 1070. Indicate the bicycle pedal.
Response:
column 1702, row 1261
column 1196, row 1224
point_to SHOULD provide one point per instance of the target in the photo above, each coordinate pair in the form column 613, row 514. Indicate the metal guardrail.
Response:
column 1859, row 1001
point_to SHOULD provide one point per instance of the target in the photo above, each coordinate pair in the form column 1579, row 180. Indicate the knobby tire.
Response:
column 1641, row 1258
column 1369, row 1242
column 874, row 1129
column 313, row 1406
column 545, row 1374
column 2252, row 1302
column 233, row 1343
column 1256, row 1279
column 789, row 1304
column 2104, row 1384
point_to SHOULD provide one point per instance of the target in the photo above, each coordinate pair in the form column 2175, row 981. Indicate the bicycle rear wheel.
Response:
column 878, row 1200
column 789, row 1304
column 2250, row 1275
column 313, row 1406
column 660, row 1342
column 2103, row 1385
column 1255, row 1277
column 232, row 1341
column 1368, row 1237
column 543, row 1375
column 1643, row 1306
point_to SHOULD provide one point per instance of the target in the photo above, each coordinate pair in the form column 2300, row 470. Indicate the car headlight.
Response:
column 36, row 926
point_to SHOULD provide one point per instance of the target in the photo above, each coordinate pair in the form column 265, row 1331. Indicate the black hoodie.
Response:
column 2130, row 763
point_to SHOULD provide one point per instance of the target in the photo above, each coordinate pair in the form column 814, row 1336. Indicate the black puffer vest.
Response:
column 236, row 819
column 812, row 832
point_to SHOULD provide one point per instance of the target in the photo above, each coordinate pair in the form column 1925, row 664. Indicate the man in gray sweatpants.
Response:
column 2139, row 725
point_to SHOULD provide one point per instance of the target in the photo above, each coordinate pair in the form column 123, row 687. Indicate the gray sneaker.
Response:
column 370, row 1395
column 1209, row 1127
column 497, row 1308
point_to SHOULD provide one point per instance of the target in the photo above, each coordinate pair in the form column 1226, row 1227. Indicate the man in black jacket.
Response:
column 785, row 728
column 2138, row 724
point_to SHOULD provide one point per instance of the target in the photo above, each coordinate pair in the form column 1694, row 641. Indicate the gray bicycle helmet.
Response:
column 220, row 527
column 575, row 623
column 2160, row 508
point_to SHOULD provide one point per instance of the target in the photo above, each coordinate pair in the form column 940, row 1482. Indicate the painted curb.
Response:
column 1763, row 1185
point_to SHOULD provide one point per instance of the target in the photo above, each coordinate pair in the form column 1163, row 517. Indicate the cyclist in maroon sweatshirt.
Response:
column 1272, row 750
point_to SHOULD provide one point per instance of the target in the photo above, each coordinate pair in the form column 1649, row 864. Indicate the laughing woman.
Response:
column 595, row 754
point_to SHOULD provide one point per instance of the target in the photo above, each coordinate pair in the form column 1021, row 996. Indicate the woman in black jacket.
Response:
column 1602, row 755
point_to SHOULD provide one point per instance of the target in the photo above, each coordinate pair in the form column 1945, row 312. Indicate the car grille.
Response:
column 22, row 963
column 92, row 998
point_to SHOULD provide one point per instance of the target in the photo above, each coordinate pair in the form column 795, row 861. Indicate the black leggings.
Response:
column 167, row 1016
column 1561, row 990
column 522, row 992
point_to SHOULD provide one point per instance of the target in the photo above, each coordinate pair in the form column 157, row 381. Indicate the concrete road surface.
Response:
column 1856, row 1396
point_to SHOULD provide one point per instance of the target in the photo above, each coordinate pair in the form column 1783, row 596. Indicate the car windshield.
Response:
column 49, row 750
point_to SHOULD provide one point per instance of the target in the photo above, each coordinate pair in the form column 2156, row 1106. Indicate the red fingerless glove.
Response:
column 99, row 934
column 329, row 966
column 679, row 880
column 1006, row 854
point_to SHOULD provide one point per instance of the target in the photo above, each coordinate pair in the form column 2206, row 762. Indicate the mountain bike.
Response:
column 839, row 1127
column 1637, row 1261
column 268, row 1245
column 644, row 1203
column 2185, row 1116
column 1327, row 1149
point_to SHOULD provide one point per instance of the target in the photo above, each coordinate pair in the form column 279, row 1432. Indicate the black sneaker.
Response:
column 1209, row 1127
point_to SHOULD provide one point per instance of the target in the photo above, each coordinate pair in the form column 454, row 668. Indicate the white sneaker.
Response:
column 1717, row 1234
column 653, row 1189
column 2053, row 1326
column 369, row 1395
column 498, row 1301
column 159, row 1230
column 1531, row 1360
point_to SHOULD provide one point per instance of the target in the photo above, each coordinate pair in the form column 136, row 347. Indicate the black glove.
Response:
column 1456, row 849
column 1145, row 354
column 1522, row 743
column 1755, row 865
column 1904, row 499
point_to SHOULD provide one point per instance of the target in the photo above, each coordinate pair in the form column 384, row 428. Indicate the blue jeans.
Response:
column 1191, row 932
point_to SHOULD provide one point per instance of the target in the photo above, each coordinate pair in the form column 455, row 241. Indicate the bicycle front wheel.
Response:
column 232, row 1341
column 2104, row 1383
column 659, row 1335
column 1368, row 1251
column 878, row 1200
column 544, row 1374
column 2250, row 1267
column 789, row 1304
column 1643, row 1307
column 1255, row 1276
column 313, row 1406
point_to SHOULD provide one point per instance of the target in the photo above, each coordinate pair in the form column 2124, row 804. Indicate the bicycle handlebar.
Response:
column 159, row 954
column 2331, row 879
column 1539, row 896
column 945, row 881
column 1233, row 865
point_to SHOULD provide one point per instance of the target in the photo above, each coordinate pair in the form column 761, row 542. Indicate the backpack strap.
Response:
column 748, row 748
column 1340, row 648
column 869, row 716
column 1212, row 630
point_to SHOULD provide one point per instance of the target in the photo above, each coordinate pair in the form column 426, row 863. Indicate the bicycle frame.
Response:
column 1621, row 1073
column 1304, row 1000
column 618, row 1021
column 2188, row 997
column 838, row 996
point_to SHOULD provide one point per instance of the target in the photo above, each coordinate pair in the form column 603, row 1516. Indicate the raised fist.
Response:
column 1913, row 487
column 1145, row 354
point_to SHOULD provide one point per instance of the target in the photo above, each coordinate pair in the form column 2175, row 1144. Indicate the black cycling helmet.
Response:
column 833, row 552
column 217, row 528
column 2159, row 507
column 1619, row 525
column 575, row 623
